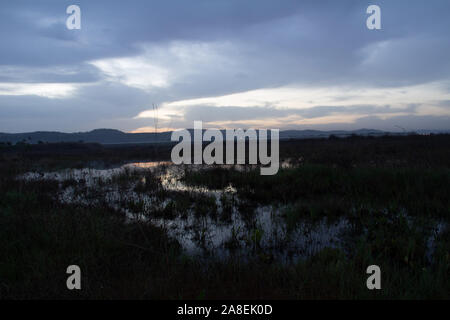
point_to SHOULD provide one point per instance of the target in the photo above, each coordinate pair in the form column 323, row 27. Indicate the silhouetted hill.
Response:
column 112, row 136
column 103, row 136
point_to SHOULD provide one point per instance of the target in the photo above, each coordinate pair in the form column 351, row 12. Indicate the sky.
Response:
column 229, row 63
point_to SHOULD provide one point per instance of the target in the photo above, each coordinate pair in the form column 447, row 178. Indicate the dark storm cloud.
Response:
column 307, row 40
column 265, row 44
column 82, row 73
column 113, row 28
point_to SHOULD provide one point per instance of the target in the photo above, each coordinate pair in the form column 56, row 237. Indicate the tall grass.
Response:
column 389, row 189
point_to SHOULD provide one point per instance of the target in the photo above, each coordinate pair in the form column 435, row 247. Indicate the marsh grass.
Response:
column 392, row 192
column 332, row 191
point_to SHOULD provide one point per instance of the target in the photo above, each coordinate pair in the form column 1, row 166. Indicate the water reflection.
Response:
column 265, row 235
column 147, row 165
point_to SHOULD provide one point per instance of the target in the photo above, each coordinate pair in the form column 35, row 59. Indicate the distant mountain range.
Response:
column 112, row 136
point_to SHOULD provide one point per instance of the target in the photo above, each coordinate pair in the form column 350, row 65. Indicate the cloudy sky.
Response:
column 230, row 63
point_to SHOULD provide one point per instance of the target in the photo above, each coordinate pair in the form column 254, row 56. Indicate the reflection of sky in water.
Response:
column 147, row 165
column 200, row 235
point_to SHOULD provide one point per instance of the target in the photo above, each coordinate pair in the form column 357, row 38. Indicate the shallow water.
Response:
column 266, row 235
